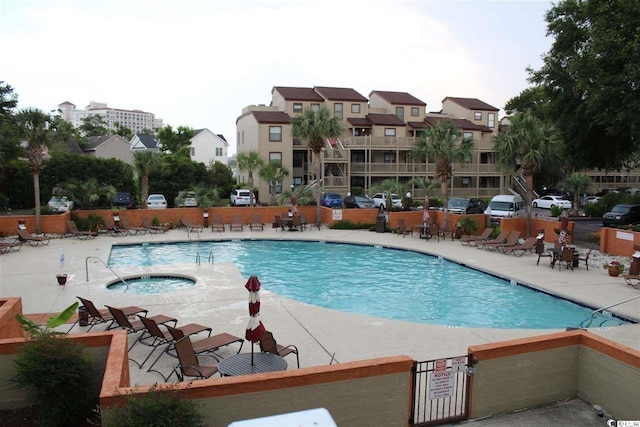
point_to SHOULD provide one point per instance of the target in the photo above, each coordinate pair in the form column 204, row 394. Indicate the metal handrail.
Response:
column 593, row 313
column 211, row 259
column 86, row 268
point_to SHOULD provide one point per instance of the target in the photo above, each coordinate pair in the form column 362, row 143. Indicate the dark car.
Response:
column 358, row 202
column 621, row 215
column 122, row 200
column 331, row 200
column 463, row 205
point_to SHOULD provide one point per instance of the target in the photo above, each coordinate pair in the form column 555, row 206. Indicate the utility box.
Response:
column 380, row 224
column 83, row 316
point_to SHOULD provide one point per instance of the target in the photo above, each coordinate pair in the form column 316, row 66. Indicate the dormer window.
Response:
column 477, row 116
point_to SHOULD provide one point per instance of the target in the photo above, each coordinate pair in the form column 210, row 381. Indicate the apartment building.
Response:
column 136, row 120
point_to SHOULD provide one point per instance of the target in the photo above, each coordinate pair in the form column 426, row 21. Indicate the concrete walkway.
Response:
column 219, row 298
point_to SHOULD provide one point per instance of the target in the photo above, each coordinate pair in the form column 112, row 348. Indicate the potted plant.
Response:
column 615, row 268
column 466, row 225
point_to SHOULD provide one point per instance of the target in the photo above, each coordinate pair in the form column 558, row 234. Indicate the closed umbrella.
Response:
column 564, row 227
column 255, row 328
column 425, row 210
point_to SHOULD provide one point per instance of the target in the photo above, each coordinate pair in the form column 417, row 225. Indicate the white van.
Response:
column 505, row 206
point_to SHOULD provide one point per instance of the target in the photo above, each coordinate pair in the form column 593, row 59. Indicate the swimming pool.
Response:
column 150, row 284
column 377, row 281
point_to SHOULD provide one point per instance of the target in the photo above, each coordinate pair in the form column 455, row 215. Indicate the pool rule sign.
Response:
column 441, row 381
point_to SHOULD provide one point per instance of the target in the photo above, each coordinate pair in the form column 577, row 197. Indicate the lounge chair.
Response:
column 236, row 222
column 471, row 240
column 632, row 280
column 80, row 234
column 98, row 317
column 148, row 224
column 511, row 240
column 33, row 240
column 402, row 228
column 268, row 344
column 529, row 245
column 126, row 224
column 188, row 365
column 191, row 226
column 135, row 326
column 256, row 222
column 6, row 247
column 209, row 344
column 499, row 239
column 585, row 258
column 217, row 222
column 114, row 230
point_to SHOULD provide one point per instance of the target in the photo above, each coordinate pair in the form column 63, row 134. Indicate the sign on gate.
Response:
column 457, row 364
column 441, row 384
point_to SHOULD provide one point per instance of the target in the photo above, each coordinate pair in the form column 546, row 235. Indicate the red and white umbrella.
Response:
column 563, row 238
column 425, row 210
column 255, row 328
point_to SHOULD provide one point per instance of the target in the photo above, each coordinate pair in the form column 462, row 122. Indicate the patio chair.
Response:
column 511, row 240
column 113, row 229
column 268, row 344
column 6, row 247
column 191, row 226
column 402, row 228
column 434, row 231
column 542, row 252
column 256, row 222
column 566, row 256
column 296, row 223
column 471, row 240
column 126, row 224
column 499, row 239
column 153, row 229
column 135, row 326
column 98, row 317
column 279, row 223
column 529, row 245
column 585, row 258
column 303, row 221
column 80, row 234
column 632, row 280
column 236, row 222
column 188, row 363
column 217, row 223
column 32, row 240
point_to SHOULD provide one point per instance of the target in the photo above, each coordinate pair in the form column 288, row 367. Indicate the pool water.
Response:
column 377, row 281
column 148, row 285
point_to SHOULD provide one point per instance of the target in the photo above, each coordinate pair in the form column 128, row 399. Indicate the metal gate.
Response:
column 441, row 391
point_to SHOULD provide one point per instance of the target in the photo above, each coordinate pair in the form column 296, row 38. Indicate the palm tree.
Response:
column 388, row 187
column 315, row 127
column 444, row 143
column 250, row 161
column 576, row 183
column 528, row 143
column 34, row 127
column 305, row 195
column 146, row 162
column 273, row 173
column 85, row 193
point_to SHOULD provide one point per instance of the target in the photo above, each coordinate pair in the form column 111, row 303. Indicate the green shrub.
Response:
column 346, row 224
column 495, row 232
column 594, row 237
column 594, row 209
column 556, row 211
column 93, row 222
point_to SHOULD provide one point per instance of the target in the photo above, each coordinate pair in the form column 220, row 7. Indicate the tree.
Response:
column 250, row 161
column 220, row 177
column 9, row 144
column 93, row 125
column 88, row 192
column 34, row 128
column 388, row 187
column 576, row 184
column 273, row 173
column 591, row 76
column 445, row 144
column 176, row 142
column 527, row 143
column 146, row 162
column 315, row 127
column 122, row 130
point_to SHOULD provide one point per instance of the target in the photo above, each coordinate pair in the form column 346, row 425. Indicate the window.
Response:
column 389, row 157
column 400, row 113
column 415, row 111
column 297, row 180
column 390, row 132
column 355, row 108
column 477, row 116
column 192, row 151
column 357, row 157
column 298, row 159
column 487, row 158
column 337, row 111
column 275, row 133
column 315, row 107
column 275, row 158
column 218, row 151
column 467, row 135
column 297, row 107
column 278, row 186
column 491, row 120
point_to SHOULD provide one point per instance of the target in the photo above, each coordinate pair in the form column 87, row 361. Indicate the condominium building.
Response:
column 136, row 120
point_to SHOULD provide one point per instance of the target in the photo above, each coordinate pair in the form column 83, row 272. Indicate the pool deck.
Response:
column 219, row 298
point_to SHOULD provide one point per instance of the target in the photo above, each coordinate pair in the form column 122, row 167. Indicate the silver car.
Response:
column 156, row 201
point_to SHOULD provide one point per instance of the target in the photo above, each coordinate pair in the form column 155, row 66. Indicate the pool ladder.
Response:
column 86, row 268
column 210, row 260
column 594, row 312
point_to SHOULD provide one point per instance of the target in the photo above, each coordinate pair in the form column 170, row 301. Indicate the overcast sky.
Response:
column 198, row 63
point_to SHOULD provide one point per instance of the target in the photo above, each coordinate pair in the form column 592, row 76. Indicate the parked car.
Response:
column 589, row 199
column 358, row 202
column 156, row 201
column 621, row 215
column 548, row 202
column 331, row 200
column 188, row 200
column 60, row 204
column 380, row 201
column 505, row 206
column 241, row 197
column 122, row 200
column 463, row 205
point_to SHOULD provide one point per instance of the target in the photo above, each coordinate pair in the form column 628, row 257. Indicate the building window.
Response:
column 275, row 158
column 218, row 151
column 337, row 111
column 192, row 151
column 357, row 157
column 491, row 120
column 467, row 135
column 389, row 131
column 389, row 157
column 275, row 133
column 400, row 113
column 298, row 159
column 477, row 116
column 315, row 107
column 355, row 108
column 297, row 107
column 487, row 158
column 297, row 180
column 278, row 186
column 415, row 111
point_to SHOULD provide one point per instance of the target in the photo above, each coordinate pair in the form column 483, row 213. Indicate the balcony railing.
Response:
column 369, row 141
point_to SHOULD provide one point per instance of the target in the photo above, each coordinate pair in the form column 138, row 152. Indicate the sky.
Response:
column 198, row 63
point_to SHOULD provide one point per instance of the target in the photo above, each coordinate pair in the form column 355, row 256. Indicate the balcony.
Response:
column 381, row 142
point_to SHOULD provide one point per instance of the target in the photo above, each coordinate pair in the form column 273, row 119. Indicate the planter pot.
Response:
column 614, row 272
column 62, row 279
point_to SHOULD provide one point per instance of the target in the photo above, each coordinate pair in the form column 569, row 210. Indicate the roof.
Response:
column 471, row 103
column 148, row 141
column 340, row 94
column 221, row 136
column 385, row 120
column 417, row 125
column 271, row 117
column 359, row 122
column 460, row 123
column 197, row 131
column 297, row 93
column 67, row 103
column 96, row 141
column 398, row 98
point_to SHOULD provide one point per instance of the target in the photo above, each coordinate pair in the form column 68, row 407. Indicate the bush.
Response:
column 92, row 222
column 556, row 211
column 346, row 224
column 594, row 209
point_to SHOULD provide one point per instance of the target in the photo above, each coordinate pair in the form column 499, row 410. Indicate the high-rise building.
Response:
column 136, row 120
